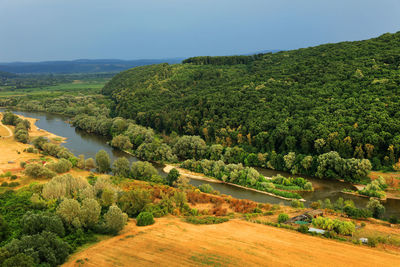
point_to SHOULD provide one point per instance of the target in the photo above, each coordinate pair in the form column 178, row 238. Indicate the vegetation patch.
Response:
column 206, row 220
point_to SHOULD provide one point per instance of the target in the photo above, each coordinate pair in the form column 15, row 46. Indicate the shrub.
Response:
column 36, row 223
column 376, row 208
column 206, row 220
column 340, row 227
column 143, row 170
column 62, row 166
column 283, row 217
column 315, row 205
column 296, row 204
column 206, row 188
column 103, row 161
column 115, row 220
column 172, row 176
column 134, row 201
column 144, row 218
column 45, row 247
column 38, row 171
column 13, row 184
column 303, row 229
column 121, row 167
column 393, row 219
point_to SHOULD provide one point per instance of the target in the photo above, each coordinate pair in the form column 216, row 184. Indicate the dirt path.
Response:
column 172, row 242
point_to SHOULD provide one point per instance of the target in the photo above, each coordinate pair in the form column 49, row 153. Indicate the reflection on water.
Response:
column 80, row 142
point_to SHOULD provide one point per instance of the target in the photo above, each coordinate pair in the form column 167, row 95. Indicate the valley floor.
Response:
column 172, row 242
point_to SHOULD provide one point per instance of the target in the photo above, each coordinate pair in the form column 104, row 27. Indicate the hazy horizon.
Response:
column 46, row 30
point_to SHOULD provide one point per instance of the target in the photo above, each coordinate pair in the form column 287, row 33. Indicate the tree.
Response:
column 376, row 208
column 64, row 186
column 115, row 219
column 4, row 229
column 90, row 164
column 19, row 260
column 121, row 167
column 90, row 213
column 81, row 162
column 122, row 142
column 70, row 211
column 216, row 152
column 62, row 166
column 188, row 147
column 143, row 170
column 108, row 197
column 36, row 223
column 103, row 161
column 45, row 247
column 134, row 202
column 38, row 171
column 172, row 176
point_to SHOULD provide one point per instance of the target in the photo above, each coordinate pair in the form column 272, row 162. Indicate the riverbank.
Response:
column 202, row 177
column 13, row 153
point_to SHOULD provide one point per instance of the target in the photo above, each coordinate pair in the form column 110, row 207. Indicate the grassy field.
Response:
column 77, row 86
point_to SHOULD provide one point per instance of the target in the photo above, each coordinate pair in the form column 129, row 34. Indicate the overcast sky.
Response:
column 37, row 30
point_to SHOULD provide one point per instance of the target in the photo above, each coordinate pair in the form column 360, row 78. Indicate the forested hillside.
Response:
column 336, row 97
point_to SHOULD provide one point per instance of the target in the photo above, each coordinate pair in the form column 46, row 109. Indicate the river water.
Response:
column 80, row 142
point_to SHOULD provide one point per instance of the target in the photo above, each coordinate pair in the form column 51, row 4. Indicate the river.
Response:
column 80, row 142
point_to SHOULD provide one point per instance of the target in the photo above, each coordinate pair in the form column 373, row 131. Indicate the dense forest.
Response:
column 340, row 97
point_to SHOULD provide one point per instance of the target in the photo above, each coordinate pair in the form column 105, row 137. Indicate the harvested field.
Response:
column 172, row 242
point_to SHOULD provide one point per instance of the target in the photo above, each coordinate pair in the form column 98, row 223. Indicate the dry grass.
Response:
column 172, row 242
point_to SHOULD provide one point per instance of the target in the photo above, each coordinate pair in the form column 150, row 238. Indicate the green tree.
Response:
column 115, row 219
column 143, row 170
column 376, row 208
column 172, row 176
column 121, row 167
column 103, row 161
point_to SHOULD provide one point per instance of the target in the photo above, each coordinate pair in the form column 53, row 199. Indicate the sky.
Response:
column 39, row 30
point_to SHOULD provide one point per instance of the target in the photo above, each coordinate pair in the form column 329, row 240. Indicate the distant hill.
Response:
column 80, row 66
column 342, row 97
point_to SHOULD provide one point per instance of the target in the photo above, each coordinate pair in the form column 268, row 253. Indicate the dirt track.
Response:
column 171, row 242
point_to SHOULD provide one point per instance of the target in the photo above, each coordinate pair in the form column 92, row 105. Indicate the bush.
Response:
column 296, row 204
column 172, row 176
column 206, row 220
column 393, row 219
column 134, row 201
column 283, row 217
column 303, row 229
column 115, row 220
column 315, row 205
column 376, row 208
column 340, row 227
column 144, row 218
column 143, row 170
column 206, row 188
column 62, row 166
column 13, row 184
